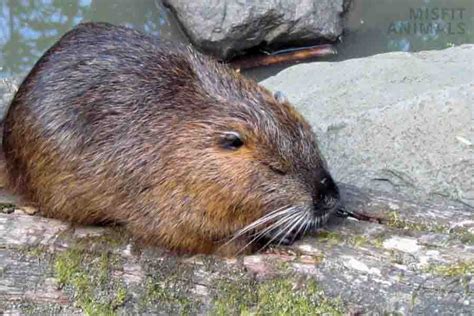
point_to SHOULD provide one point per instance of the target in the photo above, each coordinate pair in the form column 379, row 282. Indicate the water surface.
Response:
column 30, row 27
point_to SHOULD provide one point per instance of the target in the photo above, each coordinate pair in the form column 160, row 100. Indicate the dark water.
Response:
column 380, row 26
column 375, row 26
column 29, row 27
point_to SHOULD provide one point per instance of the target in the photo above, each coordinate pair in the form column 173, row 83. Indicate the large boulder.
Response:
column 395, row 121
column 8, row 87
column 225, row 28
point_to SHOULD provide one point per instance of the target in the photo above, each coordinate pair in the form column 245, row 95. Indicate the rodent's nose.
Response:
column 326, row 195
column 330, row 202
column 327, row 204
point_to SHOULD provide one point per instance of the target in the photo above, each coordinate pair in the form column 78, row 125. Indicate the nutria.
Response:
column 112, row 125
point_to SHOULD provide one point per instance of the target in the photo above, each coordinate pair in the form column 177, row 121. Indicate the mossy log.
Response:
column 417, row 260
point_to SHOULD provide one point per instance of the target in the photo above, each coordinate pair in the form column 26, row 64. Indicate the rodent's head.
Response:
column 251, row 167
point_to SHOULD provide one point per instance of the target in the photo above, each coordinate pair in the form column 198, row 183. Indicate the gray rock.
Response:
column 396, row 121
column 224, row 28
column 8, row 87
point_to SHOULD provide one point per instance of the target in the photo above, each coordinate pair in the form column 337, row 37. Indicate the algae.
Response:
column 461, row 234
column 84, row 271
column 280, row 296
column 461, row 271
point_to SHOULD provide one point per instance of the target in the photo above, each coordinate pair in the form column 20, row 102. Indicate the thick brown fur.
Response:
column 112, row 125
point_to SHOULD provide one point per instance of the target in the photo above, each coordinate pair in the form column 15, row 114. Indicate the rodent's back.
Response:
column 88, row 113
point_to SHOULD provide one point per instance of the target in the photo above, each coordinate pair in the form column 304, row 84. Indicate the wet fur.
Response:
column 112, row 125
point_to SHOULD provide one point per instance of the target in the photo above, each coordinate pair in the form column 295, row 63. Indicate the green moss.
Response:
column 461, row 271
column 282, row 266
column 169, row 295
column 461, row 234
column 34, row 251
column 103, row 268
column 282, row 298
column 169, row 287
column 67, row 266
column 334, row 238
column 395, row 221
column 275, row 297
column 458, row 269
column 358, row 240
column 330, row 237
column 234, row 297
column 87, row 275
column 378, row 241
column 120, row 297
column 84, row 270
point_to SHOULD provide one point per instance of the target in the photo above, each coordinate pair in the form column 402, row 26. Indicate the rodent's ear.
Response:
column 280, row 96
column 230, row 141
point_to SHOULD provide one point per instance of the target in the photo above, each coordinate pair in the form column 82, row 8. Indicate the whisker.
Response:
column 316, row 222
column 267, row 229
column 284, row 229
column 278, row 210
column 274, row 225
column 287, row 229
column 303, row 225
column 296, row 224
column 263, row 220
column 307, row 225
column 283, row 211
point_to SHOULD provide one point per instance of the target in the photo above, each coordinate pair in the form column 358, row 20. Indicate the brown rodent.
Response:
column 112, row 125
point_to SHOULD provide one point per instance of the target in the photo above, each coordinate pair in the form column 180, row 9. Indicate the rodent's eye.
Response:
column 231, row 141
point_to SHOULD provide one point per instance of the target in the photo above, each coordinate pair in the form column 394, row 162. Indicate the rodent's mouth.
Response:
column 283, row 226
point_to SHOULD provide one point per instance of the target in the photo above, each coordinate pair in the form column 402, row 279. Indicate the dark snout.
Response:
column 328, row 199
column 328, row 206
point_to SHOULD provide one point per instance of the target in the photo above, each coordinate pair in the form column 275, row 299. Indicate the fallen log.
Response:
column 418, row 260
